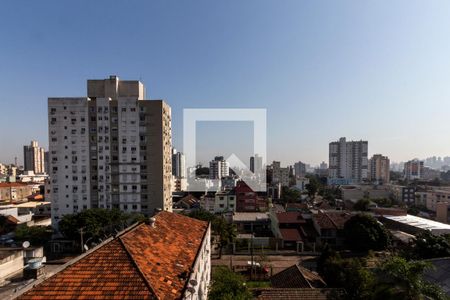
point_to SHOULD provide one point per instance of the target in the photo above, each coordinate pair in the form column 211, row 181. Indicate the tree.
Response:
column 362, row 205
column 227, row 232
column 36, row 235
column 96, row 223
column 427, row 245
column 312, row 187
column 349, row 274
column 227, row 285
column 363, row 233
column 290, row 195
column 402, row 279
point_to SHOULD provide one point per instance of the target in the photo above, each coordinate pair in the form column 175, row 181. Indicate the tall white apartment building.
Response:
column 111, row 149
column 33, row 158
column 218, row 168
column 178, row 164
column 348, row 160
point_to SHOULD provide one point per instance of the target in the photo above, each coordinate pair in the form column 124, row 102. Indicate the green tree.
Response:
column 36, row 235
column 349, row 274
column 227, row 232
column 427, row 245
column 290, row 195
column 362, row 205
column 402, row 279
column 227, row 285
column 312, row 187
column 96, row 223
column 363, row 233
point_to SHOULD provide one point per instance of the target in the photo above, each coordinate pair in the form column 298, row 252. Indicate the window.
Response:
column 124, row 109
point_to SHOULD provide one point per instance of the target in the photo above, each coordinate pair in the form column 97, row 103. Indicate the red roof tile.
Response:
column 297, row 277
column 332, row 220
column 290, row 217
column 142, row 263
column 290, row 234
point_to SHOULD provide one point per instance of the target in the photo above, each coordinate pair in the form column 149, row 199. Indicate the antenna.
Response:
column 26, row 244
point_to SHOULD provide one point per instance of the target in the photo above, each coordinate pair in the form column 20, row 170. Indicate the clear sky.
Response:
column 373, row 70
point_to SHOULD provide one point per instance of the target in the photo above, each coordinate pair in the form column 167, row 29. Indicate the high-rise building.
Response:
column 218, row 168
column 178, row 164
column 256, row 164
column 111, row 149
column 348, row 160
column 280, row 175
column 379, row 170
column 413, row 169
column 34, row 158
column 299, row 169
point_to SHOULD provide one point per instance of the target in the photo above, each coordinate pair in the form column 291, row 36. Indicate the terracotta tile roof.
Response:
column 291, row 217
column 290, row 234
column 297, row 294
column 297, row 277
column 144, row 262
column 12, row 184
column 332, row 220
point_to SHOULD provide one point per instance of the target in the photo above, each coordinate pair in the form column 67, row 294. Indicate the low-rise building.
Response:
column 330, row 225
column 414, row 225
column 443, row 212
column 168, row 258
column 247, row 199
column 14, row 192
column 257, row 223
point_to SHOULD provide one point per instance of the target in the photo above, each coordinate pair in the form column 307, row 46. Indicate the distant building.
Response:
column 299, row 169
column 323, row 166
column 256, row 164
column 279, row 174
column 348, row 160
column 34, row 158
column 178, row 164
column 218, row 168
column 379, row 170
column 443, row 212
column 413, row 169
column 247, row 200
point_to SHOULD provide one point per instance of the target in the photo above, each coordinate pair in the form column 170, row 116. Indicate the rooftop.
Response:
column 297, row 277
column 144, row 262
column 250, row 216
column 290, row 234
column 290, row 217
column 331, row 219
column 421, row 223
column 294, row 294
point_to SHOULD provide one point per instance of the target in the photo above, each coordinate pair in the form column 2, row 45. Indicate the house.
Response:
column 247, row 200
column 286, row 226
column 297, row 276
column 330, row 225
column 225, row 201
column 187, row 202
column 257, row 223
column 167, row 257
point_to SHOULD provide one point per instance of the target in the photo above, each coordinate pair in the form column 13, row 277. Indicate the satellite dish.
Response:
column 26, row 244
column 86, row 248
column 193, row 282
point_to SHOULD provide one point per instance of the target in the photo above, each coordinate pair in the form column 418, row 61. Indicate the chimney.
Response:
column 152, row 221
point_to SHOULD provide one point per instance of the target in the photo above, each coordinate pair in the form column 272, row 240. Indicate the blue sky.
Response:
column 378, row 71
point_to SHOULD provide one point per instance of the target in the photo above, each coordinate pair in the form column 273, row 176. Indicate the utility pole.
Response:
column 81, row 236
column 251, row 257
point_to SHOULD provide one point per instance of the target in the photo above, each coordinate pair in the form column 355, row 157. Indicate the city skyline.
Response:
column 340, row 69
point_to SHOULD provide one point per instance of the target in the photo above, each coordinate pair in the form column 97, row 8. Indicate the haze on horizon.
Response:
column 376, row 71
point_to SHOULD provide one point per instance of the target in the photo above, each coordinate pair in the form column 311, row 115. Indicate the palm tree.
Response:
column 402, row 279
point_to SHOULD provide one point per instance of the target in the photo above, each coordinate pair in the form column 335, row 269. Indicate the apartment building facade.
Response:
column 219, row 168
column 348, row 160
column 34, row 158
column 111, row 149
column 379, row 169
column 413, row 169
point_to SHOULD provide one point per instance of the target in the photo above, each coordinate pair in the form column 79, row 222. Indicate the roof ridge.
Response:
column 300, row 270
column 331, row 220
column 141, row 273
